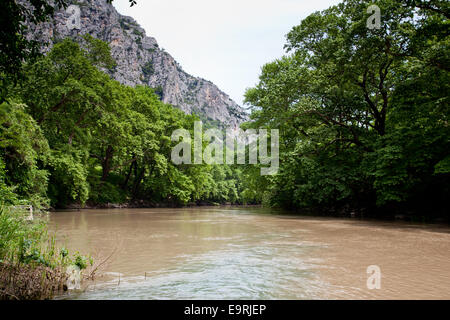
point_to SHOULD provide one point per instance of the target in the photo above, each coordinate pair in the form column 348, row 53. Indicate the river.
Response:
column 253, row 253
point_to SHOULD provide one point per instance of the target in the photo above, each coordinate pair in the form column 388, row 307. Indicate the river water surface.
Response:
column 251, row 253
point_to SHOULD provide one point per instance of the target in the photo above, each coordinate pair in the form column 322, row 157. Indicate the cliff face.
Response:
column 141, row 61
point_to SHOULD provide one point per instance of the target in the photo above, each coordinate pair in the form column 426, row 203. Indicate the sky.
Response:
column 224, row 41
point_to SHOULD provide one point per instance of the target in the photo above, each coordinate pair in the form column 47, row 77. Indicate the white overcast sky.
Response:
column 224, row 41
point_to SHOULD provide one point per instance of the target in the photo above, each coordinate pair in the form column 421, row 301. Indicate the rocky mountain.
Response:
column 140, row 60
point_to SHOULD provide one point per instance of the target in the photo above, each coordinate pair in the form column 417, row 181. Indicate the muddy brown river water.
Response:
column 252, row 253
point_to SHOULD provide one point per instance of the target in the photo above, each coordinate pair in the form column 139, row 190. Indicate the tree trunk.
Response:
column 127, row 179
column 137, row 182
column 106, row 163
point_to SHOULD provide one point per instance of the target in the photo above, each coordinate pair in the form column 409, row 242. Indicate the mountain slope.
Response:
column 141, row 61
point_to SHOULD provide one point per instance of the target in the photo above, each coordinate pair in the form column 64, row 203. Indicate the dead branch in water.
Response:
column 95, row 269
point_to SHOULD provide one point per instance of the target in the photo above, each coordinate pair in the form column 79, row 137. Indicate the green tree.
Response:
column 23, row 152
column 362, row 113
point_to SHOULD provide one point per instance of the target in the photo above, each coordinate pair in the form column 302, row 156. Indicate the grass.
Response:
column 31, row 266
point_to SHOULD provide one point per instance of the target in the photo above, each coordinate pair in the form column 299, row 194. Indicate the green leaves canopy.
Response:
column 363, row 113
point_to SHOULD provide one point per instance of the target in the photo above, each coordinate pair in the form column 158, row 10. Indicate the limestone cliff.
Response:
column 141, row 61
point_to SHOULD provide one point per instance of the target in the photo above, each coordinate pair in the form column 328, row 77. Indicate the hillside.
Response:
column 140, row 61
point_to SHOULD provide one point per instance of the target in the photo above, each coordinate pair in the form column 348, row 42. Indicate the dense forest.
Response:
column 70, row 134
column 362, row 114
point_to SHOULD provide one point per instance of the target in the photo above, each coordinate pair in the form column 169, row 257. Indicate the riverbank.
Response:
column 32, row 266
column 28, row 282
column 345, row 211
column 381, row 214
column 145, row 204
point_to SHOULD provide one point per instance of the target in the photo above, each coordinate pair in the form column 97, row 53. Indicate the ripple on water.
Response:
column 248, row 273
column 237, row 254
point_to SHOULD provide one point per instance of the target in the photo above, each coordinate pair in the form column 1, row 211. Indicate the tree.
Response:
column 105, row 142
column 15, row 48
column 351, row 104
column 24, row 150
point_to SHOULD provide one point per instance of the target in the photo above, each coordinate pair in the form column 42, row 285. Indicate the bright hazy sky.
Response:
column 226, row 41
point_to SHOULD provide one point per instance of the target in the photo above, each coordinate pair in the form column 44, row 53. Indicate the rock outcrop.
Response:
column 140, row 61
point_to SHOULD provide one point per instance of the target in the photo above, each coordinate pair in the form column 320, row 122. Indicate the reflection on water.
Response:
column 238, row 253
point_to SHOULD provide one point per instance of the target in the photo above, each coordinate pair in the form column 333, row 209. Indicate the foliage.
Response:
column 14, row 46
column 77, row 136
column 24, row 151
column 148, row 70
column 31, row 267
column 363, row 113
column 28, row 242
